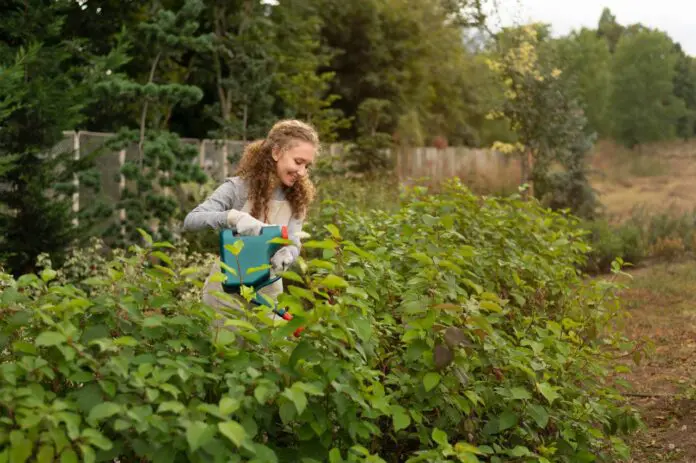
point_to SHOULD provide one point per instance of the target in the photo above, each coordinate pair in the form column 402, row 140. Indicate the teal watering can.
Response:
column 256, row 252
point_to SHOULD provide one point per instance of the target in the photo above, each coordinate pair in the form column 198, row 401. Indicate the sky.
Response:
column 676, row 17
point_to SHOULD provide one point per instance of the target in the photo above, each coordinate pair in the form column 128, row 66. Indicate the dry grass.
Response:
column 658, row 178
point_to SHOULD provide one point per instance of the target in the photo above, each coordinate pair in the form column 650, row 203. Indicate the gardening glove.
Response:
column 284, row 258
column 244, row 223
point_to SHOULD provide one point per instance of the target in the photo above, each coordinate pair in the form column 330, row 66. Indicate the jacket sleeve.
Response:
column 213, row 211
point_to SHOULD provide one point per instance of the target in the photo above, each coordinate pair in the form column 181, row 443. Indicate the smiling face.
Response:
column 293, row 163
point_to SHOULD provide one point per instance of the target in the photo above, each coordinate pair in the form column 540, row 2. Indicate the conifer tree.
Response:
column 43, row 88
column 158, row 160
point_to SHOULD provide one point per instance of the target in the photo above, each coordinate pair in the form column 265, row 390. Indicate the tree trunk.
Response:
column 526, row 171
column 143, row 115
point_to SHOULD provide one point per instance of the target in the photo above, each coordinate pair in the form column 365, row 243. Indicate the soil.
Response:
column 661, row 301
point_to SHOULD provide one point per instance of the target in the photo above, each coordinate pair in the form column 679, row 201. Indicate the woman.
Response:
column 271, row 187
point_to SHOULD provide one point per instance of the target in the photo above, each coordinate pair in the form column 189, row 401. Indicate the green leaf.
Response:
column 334, row 231
column 287, row 412
column 88, row 454
column 325, row 244
column 235, row 248
column 520, row 393
column 333, row 282
column 310, row 389
column 548, row 392
column 240, row 323
column 198, row 434
column 440, row 437
column 260, row 268
column 298, row 397
column 289, row 275
column 233, row 431
column 520, row 451
column 430, row 380
column 97, row 439
column 165, row 270
column 48, row 275
column 68, row 456
column 20, row 447
column 146, row 236
column 507, row 420
column 49, row 338
column 401, row 418
column 584, row 456
column 335, row 456
column 423, row 258
column 163, row 257
column 461, row 447
column 126, row 341
column 102, row 411
column 153, row 321
column 490, row 306
column 46, row 454
column 171, row 406
column 227, row 268
column 96, row 281
column 262, row 393
column 539, row 415
column 20, row 346
column 229, row 405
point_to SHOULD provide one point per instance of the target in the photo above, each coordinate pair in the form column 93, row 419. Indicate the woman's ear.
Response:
column 275, row 153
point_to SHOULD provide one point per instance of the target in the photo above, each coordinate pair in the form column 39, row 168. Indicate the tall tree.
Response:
column 170, row 41
column 302, row 80
column 413, row 55
column 609, row 29
column 644, row 106
column 586, row 63
column 549, row 124
column 243, row 65
column 685, row 90
column 45, row 83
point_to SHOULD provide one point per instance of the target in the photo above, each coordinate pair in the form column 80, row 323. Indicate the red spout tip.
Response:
column 298, row 331
column 284, row 232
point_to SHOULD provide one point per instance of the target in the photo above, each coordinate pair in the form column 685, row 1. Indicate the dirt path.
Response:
column 661, row 300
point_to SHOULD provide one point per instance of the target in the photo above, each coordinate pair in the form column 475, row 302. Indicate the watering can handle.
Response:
column 283, row 230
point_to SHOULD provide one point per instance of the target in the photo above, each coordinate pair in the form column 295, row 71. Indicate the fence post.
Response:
column 121, row 189
column 225, row 154
column 76, row 179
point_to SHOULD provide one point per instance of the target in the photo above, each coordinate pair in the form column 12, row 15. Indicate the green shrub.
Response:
column 611, row 242
column 659, row 236
column 455, row 329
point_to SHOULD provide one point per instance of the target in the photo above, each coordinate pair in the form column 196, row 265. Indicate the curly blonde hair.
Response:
column 258, row 167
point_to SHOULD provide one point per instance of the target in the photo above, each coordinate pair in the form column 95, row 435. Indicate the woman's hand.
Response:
column 244, row 223
column 284, row 258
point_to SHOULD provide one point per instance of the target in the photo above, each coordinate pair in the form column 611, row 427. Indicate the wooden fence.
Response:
column 483, row 170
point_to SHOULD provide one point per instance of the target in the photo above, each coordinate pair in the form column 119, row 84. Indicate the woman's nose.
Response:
column 302, row 171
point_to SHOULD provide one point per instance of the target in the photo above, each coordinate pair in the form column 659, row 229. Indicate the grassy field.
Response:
column 658, row 178
column 660, row 297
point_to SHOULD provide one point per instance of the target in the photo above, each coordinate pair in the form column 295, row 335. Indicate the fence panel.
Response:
column 481, row 169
